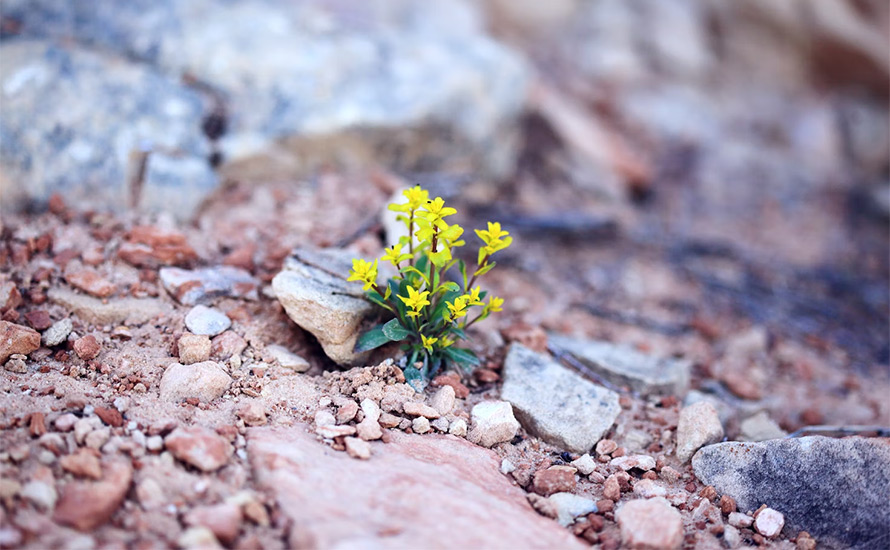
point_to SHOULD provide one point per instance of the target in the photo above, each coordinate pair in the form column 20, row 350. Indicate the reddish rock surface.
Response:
column 199, row 447
column 87, row 505
column 415, row 492
column 17, row 339
column 554, row 480
column 87, row 347
column 110, row 416
column 91, row 282
column 151, row 247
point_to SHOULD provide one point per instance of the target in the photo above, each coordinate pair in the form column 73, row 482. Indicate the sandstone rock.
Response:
column 198, row 538
column 625, row 366
column 252, row 412
column 740, row 520
column 287, row 358
column 226, row 345
column 420, row 409
column 647, row 488
column 493, row 423
column 151, row 247
column 90, row 281
column 205, row 320
column 133, row 311
column 322, row 490
column 10, row 297
column 585, row 464
column 443, row 400
column 357, row 448
column 17, row 339
column 65, row 422
column 199, row 447
column 451, row 379
column 83, row 463
column 87, row 347
column 193, row 348
column 699, row 425
column 195, row 286
column 769, row 523
column 321, row 303
column 332, row 432
column 41, row 494
column 458, row 427
column 205, row 381
column 109, row 416
column 651, row 524
column 641, row 462
column 797, row 477
column 347, row 411
column 58, row 333
column 554, row 480
column 87, row 505
column 132, row 108
column 573, row 413
column 568, row 507
column 420, row 425
column 223, row 520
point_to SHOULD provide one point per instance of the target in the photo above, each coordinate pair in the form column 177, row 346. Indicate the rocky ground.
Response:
column 699, row 270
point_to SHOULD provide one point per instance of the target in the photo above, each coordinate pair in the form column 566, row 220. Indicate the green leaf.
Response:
column 411, row 269
column 450, row 285
column 461, row 356
column 462, row 266
column 484, row 269
column 415, row 378
column 459, row 332
column 441, row 306
column 372, row 339
column 395, row 331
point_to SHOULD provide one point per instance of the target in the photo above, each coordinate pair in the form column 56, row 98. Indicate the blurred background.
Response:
column 669, row 167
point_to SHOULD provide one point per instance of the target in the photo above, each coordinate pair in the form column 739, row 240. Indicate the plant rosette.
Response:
column 432, row 306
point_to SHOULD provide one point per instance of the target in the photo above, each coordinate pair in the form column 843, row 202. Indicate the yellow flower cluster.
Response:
column 432, row 312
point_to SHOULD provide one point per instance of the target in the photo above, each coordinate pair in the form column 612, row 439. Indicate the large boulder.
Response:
column 555, row 403
column 313, row 67
column 836, row 489
column 415, row 492
column 79, row 122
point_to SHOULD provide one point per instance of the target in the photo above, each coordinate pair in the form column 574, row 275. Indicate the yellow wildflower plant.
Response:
column 432, row 306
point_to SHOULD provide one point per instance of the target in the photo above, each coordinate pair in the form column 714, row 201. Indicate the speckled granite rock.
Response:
column 836, row 489
column 74, row 121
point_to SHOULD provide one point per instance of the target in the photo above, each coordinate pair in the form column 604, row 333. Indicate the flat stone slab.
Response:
column 836, row 489
column 625, row 366
column 554, row 403
column 430, row 491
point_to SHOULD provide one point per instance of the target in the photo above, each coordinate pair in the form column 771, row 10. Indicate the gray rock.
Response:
column 192, row 286
column 75, row 121
column 836, row 489
column 207, row 320
column 314, row 292
column 58, row 332
column 569, row 506
column 625, row 366
column 760, row 427
column 315, row 68
column 698, row 425
column 554, row 403
column 493, row 423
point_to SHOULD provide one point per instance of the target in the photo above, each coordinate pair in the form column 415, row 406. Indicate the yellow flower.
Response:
column 415, row 196
column 494, row 233
column 458, row 308
column 473, row 297
column 495, row 239
column 363, row 271
column 415, row 300
column 394, row 255
column 436, row 210
column 428, row 342
column 494, row 305
column 445, row 341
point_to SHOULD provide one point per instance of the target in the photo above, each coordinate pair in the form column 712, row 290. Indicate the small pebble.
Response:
column 207, row 321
